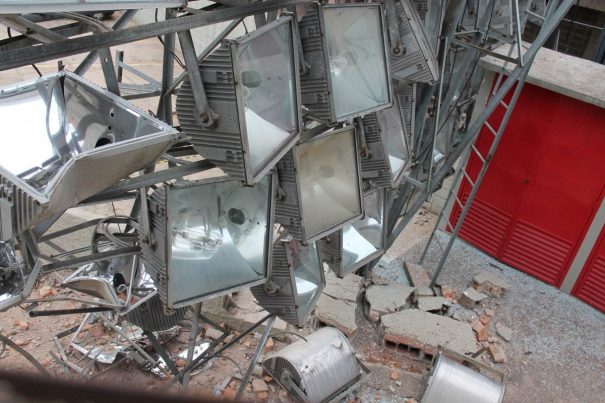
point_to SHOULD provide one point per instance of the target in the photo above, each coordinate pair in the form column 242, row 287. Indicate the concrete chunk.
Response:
column 428, row 332
column 383, row 299
column 490, row 283
column 471, row 297
column 346, row 288
column 431, row 303
column 337, row 313
column 417, row 274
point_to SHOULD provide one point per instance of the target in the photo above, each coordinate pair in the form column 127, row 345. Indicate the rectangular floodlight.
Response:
column 65, row 139
column 413, row 60
column 252, row 83
column 345, row 47
column 49, row 6
column 388, row 155
column 296, row 282
column 357, row 244
column 321, row 182
column 208, row 238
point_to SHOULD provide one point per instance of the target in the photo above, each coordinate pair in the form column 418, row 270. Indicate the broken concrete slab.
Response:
column 337, row 313
column 504, row 331
column 346, row 288
column 213, row 333
column 259, row 385
column 423, row 292
column 428, row 332
column 496, row 351
column 383, row 299
column 471, row 297
column 430, row 304
column 490, row 283
column 417, row 275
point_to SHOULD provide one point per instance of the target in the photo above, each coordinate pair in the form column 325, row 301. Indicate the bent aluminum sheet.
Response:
column 39, row 6
column 65, row 139
column 322, row 366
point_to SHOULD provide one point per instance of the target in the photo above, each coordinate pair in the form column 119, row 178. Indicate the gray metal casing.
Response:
column 316, row 85
column 226, row 145
column 288, row 210
column 22, row 206
column 152, row 315
column 502, row 20
column 49, row 6
column 374, row 167
column 417, row 62
column 156, row 251
column 285, row 306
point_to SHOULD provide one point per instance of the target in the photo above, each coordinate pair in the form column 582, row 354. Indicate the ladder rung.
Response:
column 468, row 178
column 504, row 104
column 459, row 202
column 478, row 153
column 491, row 129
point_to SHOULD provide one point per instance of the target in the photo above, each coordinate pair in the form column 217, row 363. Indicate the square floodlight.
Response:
column 388, row 154
column 49, row 6
column 357, row 244
column 412, row 59
column 321, row 185
column 344, row 46
column 296, row 282
column 65, row 139
column 252, row 83
column 208, row 238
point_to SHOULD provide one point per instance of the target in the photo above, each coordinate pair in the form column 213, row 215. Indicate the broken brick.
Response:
column 496, row 351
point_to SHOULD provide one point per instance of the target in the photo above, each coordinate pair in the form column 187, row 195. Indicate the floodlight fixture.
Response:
column 501, row 18
column 412, row 58
column 65, row 139
column 17, row 279
column 388, row 155
column 207, row 238
column 344, row 46
column 357, row 244
column 321, row 185
column 296, row 281
column 59, row 6
column 252, row 84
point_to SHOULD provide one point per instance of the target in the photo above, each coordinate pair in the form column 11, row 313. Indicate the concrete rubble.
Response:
column 384, row 299
column 471, row 297
column 417, row 275
column 490, row 284
column 431, row 304
column 504, row 331
column 337, row 313
column 346, row 288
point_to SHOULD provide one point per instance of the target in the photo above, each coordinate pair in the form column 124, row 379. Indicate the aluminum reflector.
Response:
column 296, row 282
column 63, row 140
column 253, row 85
column 345, row 47
column 415, row 61
column 321, row 181
column 209, row 238
column 355, row 245
column 38, row 6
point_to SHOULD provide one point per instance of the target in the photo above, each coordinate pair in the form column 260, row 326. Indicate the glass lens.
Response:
column 357, row 60
column 364, row 237
column 393, row 137
column 219, row 238
column 329, row 183
column 269, row 92
column 307, row 273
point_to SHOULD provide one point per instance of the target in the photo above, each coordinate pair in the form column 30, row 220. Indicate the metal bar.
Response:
column 92, row 56
column 23, row 57
column 518, row 30
column 69, row 230
column 111, row 80
column 485, row 51
column 197, row 310
column 21, row 41
column 164, row 110
column 162, row 352
column 137, row 72
column 149, row 179
column 31, row 29
column 215, row 42
column 58, row 312
column 119, row 65
column 97, row 257
column 257, row 353
column 127, row 339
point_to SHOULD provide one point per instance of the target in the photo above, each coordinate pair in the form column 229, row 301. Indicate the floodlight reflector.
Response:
column 345, row 47
column 387, row 140
column 353, row 246
column 322, row 184
column 415, row 60
column 208, row 238
column 296, row 282
column 252, row 83
column 65, row 139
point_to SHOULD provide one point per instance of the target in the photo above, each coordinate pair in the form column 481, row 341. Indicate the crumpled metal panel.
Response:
column 44, row 6
column 453, row 382
column 322, row 366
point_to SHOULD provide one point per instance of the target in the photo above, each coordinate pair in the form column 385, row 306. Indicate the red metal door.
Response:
column 543, row 185
column 591, row 283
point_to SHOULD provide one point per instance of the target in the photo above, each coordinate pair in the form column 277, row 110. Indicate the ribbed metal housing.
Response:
column 501, row 20
column 321, row 366
column 407, row 103
column 155, row 257
column 315, row 88
column 280, row 303
column 152, row 316
column 374, row 167
column 287, row 209
column 222, row 144
column 417, row 63
column 422, row 8
column 18, row 209
column 330, row 249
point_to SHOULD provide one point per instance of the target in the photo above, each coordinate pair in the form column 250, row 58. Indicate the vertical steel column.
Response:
column 164, row 111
